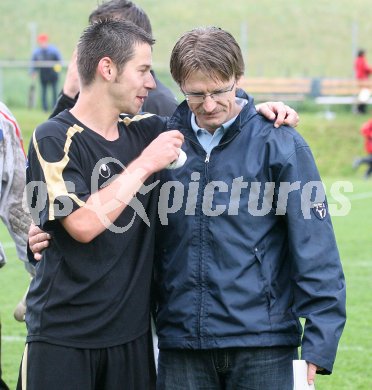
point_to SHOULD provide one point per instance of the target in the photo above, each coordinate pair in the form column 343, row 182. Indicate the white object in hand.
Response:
column 179, row 162
column 300, row 376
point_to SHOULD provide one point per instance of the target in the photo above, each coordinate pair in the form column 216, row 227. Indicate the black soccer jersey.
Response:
column 92, row 295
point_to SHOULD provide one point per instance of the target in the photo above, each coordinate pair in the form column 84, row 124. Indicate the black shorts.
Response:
column 52, row 367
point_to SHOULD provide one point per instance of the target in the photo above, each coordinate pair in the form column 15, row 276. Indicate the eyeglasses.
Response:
column 200, row 97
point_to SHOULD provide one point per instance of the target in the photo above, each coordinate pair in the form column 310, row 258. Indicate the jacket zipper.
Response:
column 202, row 240
column 199, row 212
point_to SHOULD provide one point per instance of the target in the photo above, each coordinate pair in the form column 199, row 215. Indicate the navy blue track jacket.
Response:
column 246, row 245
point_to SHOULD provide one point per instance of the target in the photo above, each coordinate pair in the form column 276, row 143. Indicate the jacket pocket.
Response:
column 264, row 275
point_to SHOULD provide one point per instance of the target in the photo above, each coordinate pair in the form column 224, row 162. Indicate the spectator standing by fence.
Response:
column 362, row 72
column 48, row 74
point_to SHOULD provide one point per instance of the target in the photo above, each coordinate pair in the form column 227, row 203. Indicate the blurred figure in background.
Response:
column 13, row 211
column 362, row 72
column 48, row 74
column 12, row 173
column 366, row 131
column 160, row 101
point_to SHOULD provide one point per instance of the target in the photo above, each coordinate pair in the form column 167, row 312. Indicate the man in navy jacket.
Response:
column 245, row 241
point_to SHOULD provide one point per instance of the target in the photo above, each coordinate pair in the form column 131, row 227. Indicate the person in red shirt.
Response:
column 362, row 72
column 362, row 69
column 366, row 131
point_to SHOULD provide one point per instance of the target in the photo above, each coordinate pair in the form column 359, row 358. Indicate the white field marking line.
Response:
column 8, row 244
column 363, row 195
column 12, row 339
column 358, row 348
column 354, row 264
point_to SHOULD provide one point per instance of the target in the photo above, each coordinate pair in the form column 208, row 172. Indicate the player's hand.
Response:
column 311, row 372
column 280, row 112
column 38, row 240
column 162, row 151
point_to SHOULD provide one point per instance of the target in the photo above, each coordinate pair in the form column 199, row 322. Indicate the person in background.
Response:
column 48, row 72
column 12, row 184
column 160, row 101
column 362, row 73
column 366, row 131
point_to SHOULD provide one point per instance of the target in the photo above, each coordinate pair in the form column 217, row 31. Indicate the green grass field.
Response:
column 334, row 144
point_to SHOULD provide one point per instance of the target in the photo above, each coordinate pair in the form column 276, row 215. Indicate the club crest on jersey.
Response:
column 320, row 210
column 104, row 171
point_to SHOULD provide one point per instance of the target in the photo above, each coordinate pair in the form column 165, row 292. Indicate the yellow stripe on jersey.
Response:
column 56, row 186
column 127, row 120
column 24, row 365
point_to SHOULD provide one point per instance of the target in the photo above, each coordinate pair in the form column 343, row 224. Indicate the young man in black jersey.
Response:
column 88, row 305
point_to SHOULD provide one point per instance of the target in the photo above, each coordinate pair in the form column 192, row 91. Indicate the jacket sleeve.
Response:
column 13, row 211
column 317, row 275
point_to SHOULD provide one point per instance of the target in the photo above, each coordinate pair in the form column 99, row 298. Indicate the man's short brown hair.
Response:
column 210, row 50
